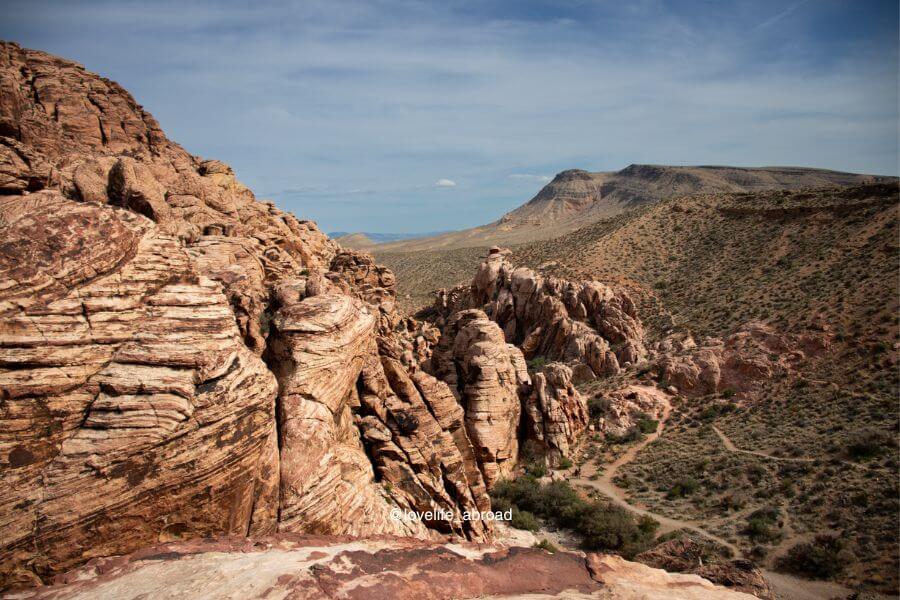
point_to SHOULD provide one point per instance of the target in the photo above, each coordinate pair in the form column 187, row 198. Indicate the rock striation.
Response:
column 555, row 413
column 179, row 359
column 317, row 567
column 487, row 376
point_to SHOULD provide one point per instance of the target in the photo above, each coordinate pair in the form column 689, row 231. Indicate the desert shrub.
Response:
column 537, row 363
column 645, row 423
column 522, row 519
column 536, row 469
column 823, row 558
column 868, row 443
column 631, row 435
column 598, row 406
column 683, row 488
column 601, row 526
column 547, row 545
column 761, row 524
column 565, row 463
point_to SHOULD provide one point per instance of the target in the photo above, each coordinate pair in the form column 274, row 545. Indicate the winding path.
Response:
column 729, row 445
column 605, row 485
column 786, row 587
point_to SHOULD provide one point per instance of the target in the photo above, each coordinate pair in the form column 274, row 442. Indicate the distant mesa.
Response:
column 576, row 197
column 365, row 240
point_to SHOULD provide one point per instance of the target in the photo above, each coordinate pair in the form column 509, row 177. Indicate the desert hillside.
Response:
column 717, row 260
column 576, row 198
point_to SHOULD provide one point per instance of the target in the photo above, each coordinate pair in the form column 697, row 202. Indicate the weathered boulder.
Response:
column 555, row 413
column 318, row 567
column 684, row 555
column 624, row 406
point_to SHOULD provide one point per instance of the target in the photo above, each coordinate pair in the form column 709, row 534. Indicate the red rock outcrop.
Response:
column 131, row 409
column 555, row 413
column 317, row 567
column 488, row 376
column 753, row 354
column 625, row 405
column 583, row 323
column 684, row 555
column 143, row 288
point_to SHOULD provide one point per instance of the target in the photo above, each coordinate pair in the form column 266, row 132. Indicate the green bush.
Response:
column 547, row 545
column 868, row 443
column 761, row 524
column 537, row 363
column 601, row 526
column 598, row 406
column 522, row 519
column 683, row 488
column 565, row 463
column 645, row 423
column 823, row 558
column 536, row 469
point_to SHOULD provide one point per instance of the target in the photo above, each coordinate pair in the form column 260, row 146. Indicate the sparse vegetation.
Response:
column 825, row 557
column 601, row 526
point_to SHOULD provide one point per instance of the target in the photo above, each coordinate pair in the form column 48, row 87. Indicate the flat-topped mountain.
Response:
column 575, row 198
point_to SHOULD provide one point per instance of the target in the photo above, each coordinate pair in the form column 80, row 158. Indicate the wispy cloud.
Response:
column 444, row 183
column 353, row 109
column 781, row 15
column 530, row 177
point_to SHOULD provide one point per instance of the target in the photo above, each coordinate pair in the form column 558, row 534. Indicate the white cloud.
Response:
column 531, row 177
column 445, row 183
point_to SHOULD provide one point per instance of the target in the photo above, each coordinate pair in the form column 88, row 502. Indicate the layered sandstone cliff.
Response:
column 178, row 359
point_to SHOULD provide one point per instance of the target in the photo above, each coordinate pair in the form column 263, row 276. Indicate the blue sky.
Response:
column 412, row 116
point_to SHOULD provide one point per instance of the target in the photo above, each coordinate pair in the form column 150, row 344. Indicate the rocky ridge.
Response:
column 179, row 360
column 317, row 567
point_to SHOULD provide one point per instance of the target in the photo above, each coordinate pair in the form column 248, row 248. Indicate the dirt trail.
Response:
column 786, row 587
column 605, row 485
column 729, row 445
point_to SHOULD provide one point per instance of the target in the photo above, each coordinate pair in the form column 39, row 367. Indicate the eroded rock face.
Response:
column 755, row 353
column 555, row 413
column 131, row 412
column 317, row 567
column 586, row 323
column 142, row 292
column 684, row 555
column 487, row 376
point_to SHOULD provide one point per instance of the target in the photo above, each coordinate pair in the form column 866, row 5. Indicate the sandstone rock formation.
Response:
column 684, row 555
column 317, row 567
column 178, row 359
column 488, row 376
column 555, row 413
column 624, row 405
column 586, row 323
column 132, row 412
column 751, row 355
